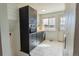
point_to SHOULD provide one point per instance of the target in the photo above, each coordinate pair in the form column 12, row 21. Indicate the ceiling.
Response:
column 49, row 7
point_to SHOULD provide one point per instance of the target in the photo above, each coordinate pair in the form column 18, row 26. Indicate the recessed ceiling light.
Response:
column 43, row 10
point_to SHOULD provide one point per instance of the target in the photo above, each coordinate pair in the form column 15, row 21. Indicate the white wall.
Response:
column 6, row 47
column 55, row 35
column 16, row 37
column 10, row 13
column 13, row 19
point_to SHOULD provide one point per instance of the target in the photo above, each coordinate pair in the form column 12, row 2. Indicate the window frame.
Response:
column 53, row 26
column 62, row 26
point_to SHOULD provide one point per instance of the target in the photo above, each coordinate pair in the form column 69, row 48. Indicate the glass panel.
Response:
column 49, row 24
column 62, row 23
column 51, row 21
column 45, row 21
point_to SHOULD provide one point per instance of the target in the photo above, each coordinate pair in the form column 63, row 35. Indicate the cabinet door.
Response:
column 24, row 32
column 32, row 40
column 32, row 18
column 40, row 37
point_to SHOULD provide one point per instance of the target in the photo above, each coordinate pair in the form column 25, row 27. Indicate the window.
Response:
column 45, row 22
column 62, row 23
column 49, row 24
column 52, row 22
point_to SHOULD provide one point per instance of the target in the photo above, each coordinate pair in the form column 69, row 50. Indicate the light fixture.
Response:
column 43, row 10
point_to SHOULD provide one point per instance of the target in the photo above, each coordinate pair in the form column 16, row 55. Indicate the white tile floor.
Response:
column 48, row 48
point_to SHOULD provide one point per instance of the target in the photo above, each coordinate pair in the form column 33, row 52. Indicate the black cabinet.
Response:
column 29, row 37
column 33, row 40
column 40, row 37
column 28, row 25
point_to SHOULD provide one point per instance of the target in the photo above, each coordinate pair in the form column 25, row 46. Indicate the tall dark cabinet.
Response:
column 28, row 28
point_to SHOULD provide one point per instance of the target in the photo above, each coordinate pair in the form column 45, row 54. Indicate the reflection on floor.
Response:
column 48, row 48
